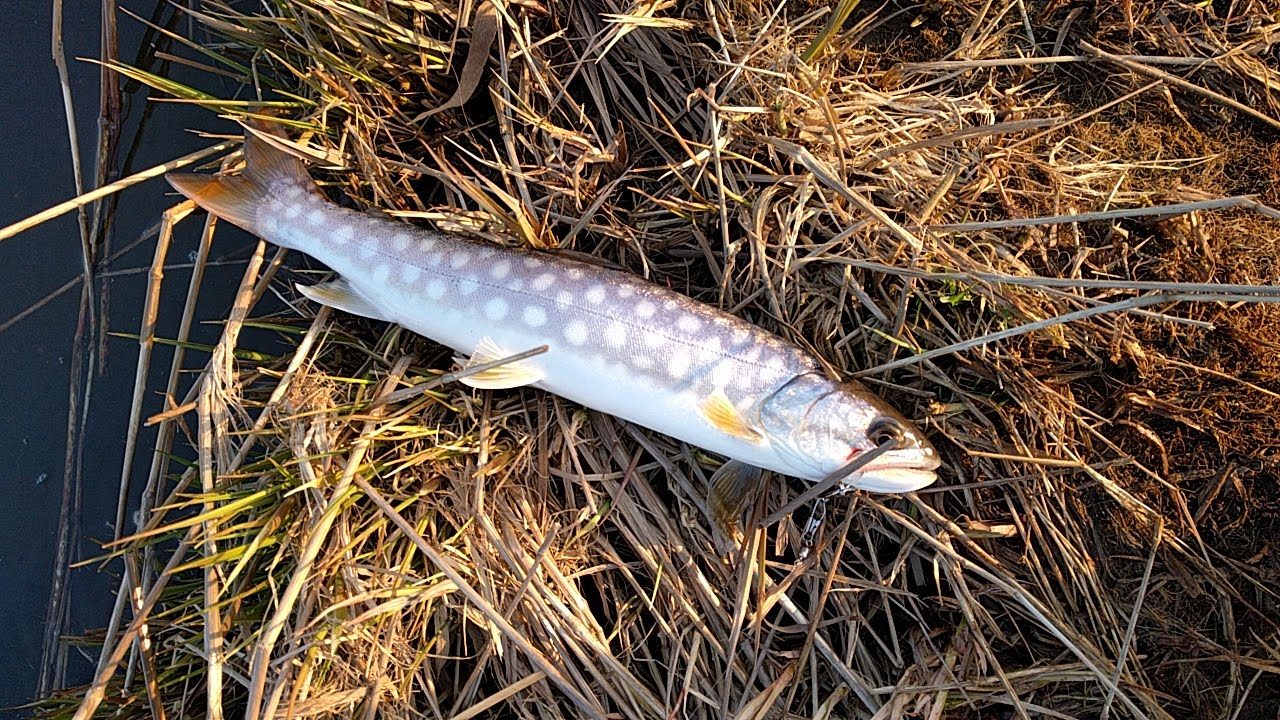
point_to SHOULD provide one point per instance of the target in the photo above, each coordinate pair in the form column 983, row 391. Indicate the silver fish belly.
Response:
column 615, row 343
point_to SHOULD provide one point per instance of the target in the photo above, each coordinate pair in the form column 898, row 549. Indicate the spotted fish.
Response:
column 615, row 342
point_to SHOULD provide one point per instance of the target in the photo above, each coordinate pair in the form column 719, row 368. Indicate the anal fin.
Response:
column 339, row 294
column 731, row 485
column 507, row 375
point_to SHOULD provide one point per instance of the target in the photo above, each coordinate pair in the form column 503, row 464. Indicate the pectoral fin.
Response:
column 340, row 295
column 507, row 375
column 725, row 417
column 731, row 485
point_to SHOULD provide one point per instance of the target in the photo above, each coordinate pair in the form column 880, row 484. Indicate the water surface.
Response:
column 36, row 354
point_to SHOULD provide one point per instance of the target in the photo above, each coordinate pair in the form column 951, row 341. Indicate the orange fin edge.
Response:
column 725, row 417
column 231, row 198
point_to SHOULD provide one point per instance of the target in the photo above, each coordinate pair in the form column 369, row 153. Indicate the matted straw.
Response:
column 1044, row 231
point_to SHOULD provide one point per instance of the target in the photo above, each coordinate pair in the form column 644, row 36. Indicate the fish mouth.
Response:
column 894, row 479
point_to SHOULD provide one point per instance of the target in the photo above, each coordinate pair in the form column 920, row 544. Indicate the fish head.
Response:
column 820, row 426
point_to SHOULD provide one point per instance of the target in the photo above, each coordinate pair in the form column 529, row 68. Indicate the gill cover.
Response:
column 787, row 415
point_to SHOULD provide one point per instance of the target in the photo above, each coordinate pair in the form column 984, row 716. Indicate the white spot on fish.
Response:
column 775, row 364
column 316, row 217
column 467, row 286
column 642, row 361
column 458, row 258
column 654, row 339
column 595, row 294
column 574, row 273
column 688, row 323
column 409, row 273
column 645, row 309
column 402, row 241
column 426, row 242
column 544, row 281
column 564, row 297
column 382, row 274
column 292, row 191
column 534, row 316
column 500, row 269
column 722, row 374
column 367, row 250
column 531, row 262
column 626, row 291
column 292, row 211
column 616, row 334
column 678, row 364
column 495, row 309
column 435, row 289
column 576, row 332
column 343, row 234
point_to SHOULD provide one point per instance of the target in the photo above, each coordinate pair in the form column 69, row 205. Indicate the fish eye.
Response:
column 886, row 429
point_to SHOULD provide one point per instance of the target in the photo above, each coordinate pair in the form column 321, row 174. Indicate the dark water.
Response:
column 36, row 354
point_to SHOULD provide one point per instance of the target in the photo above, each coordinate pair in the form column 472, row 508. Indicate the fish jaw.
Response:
column 893, row 480
column 899, row 471
column 910, row 467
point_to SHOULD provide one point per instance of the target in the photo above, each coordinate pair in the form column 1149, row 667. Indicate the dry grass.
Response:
column 966, row 203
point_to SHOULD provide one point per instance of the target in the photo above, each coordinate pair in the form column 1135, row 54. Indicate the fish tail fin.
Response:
column 269, row 171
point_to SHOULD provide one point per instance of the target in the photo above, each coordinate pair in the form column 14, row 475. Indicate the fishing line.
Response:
column 830, row 482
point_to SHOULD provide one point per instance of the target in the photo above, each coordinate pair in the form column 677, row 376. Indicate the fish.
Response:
column 615, row 342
